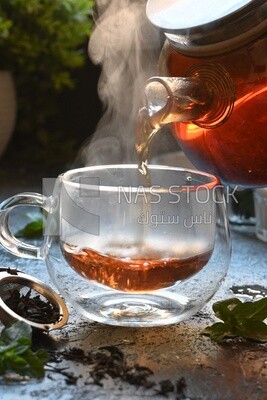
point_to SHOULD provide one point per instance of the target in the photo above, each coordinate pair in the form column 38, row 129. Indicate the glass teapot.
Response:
column 213, row 84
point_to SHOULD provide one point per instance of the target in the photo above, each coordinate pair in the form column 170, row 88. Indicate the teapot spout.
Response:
column 206, row 98
column 168, row 100
column 176, row 99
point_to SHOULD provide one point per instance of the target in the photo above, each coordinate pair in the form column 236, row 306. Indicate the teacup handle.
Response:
column 7, row 238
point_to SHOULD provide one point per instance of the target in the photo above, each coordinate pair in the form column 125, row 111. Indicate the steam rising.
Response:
column 126, row 45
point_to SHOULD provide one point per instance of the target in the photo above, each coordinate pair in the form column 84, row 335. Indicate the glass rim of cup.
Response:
column 212, row 180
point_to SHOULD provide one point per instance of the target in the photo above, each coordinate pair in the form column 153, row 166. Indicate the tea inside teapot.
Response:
column 225, row 133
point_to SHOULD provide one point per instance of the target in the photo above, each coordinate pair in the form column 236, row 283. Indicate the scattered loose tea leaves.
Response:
column 16, row 354
column 70, row 378
column 179, row 388
column 33, row 308
column 245, row 320
column 111, row 361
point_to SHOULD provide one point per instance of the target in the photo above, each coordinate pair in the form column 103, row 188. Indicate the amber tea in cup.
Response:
column 128, row 251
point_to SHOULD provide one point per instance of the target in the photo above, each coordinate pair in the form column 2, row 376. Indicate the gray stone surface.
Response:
column 233, row 371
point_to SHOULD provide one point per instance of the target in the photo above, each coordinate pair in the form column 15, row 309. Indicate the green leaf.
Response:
column 32, row 230
column 17, row 364
column 42, row 355
column 223, row 309
column 16, row 349
column 5, row 348
column 252, row 310
column 217, row 331
column 256, row 331
column 15, row 332
column 244, row 320
column 16, row 354
column 35, row 364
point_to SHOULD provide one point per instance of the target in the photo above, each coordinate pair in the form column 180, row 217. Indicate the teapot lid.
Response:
column 208, row 26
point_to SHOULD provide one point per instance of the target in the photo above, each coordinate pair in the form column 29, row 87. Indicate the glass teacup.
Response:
column 127, row 249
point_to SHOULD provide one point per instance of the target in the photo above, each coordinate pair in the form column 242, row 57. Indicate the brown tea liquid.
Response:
column 236, row 150
column 133, row 274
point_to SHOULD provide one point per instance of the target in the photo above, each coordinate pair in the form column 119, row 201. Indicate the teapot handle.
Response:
column 7, row 238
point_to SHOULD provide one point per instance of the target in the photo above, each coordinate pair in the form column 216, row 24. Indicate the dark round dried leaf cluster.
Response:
column 32, row 308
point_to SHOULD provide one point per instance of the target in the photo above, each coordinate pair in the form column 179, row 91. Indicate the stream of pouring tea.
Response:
column 149, row 123
column 144, row 135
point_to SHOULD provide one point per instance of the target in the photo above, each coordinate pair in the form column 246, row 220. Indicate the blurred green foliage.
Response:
column 42, row 42
column 42, row 38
